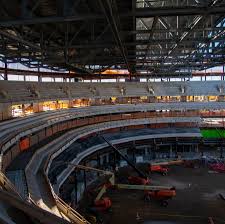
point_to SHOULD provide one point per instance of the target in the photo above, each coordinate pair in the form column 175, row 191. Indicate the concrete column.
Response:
column 76, row 188
column 39, row 78
column 57, row 105
column 152, row 99
column 221, row 151
column 5, row 111
column 150, row 152
column 101, row 160
column 133, row 154
column 107, row 158
column 84, row 176
column 171, row 151
column 154, row 151
column 146, row 151
column 23, row 109
column 92, row 102
column 98, row 161
column 196, row 149
column 6, row 71
column 220, row 98
column 183, row 99
column 70, row 103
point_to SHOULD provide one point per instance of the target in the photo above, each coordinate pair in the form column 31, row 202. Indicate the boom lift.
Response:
column 143, row 179
column 158, row 169
column 160, row 193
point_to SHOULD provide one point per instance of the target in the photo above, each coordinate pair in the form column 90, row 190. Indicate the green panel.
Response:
column 212, row 133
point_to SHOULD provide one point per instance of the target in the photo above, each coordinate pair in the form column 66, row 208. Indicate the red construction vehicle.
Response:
column 103, row 204
column 158, row 168
column 138, row 180
column 160, row 195
column 218, row 167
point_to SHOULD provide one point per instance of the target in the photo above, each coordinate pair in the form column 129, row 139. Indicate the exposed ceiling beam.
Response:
column 108, row 11
column 20, row 40
column 139, row 12
column 192, row 26
column 153, row 42
column 155, row 20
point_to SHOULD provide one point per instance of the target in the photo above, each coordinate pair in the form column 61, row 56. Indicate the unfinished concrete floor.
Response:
column 197, row 199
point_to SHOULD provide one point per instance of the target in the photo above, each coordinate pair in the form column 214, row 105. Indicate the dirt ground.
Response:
column 197, row 199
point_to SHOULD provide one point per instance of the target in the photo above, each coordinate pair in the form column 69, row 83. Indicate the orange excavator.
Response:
column 160, row 195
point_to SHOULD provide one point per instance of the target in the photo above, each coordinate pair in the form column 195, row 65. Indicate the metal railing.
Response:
column 62, row 206
column 69, row 212
column 7, row 185
column 14, row 135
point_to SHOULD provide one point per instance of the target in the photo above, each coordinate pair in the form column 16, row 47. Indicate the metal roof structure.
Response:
column 154, row 38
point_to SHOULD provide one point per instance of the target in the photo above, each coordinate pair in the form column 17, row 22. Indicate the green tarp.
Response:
column 212, row 133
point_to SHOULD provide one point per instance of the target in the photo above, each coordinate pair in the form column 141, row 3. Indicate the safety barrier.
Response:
column 35, row 130
column 64, row 207
column 7, row 185
column 31, row 210
column 17, row 139
column 69, row 212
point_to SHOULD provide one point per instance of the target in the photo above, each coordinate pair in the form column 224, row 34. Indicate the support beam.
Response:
column 108, row 11
column 6, row 71
column 155, row 20
column 139, row 12
column 191, row 27
column 18, row 39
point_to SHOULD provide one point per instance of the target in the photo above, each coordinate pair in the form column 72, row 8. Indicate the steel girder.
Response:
column 139, row 12
column 63, row 37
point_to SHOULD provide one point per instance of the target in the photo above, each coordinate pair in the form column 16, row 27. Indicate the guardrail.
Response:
column 63, row 175
column 62, row 206
column 31, row 210
column 116, row 124
column 69, row 212
column 14, row 136
column 7, row 185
